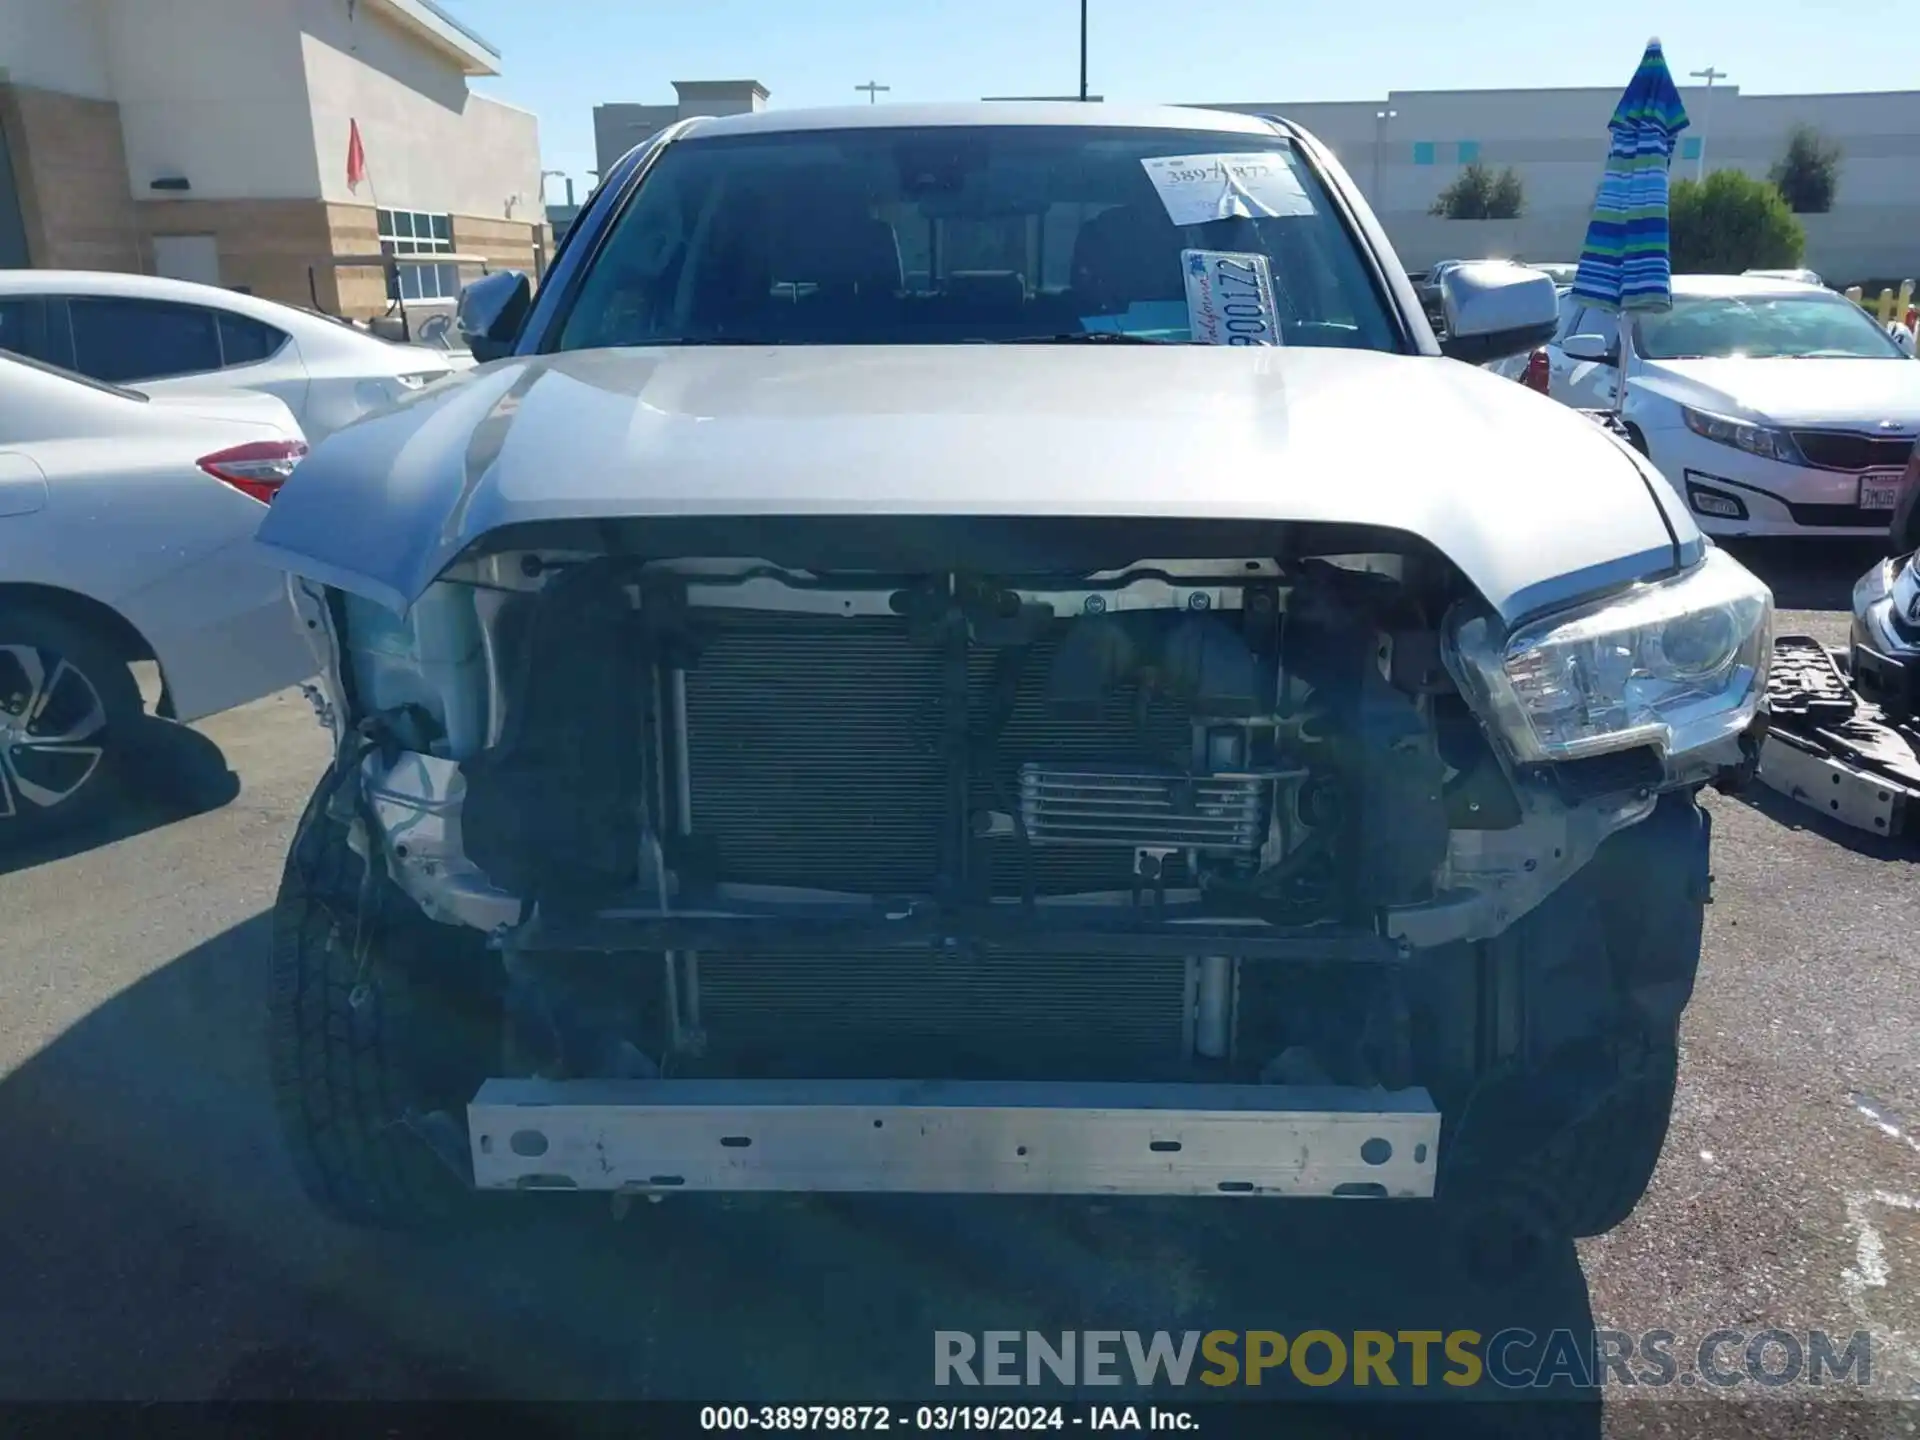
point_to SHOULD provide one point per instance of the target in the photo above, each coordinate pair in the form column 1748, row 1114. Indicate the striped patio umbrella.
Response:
column 1625, row 263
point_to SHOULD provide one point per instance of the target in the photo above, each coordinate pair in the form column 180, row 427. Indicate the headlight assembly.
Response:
column 1906, row 591
column 1761, row 440
column 1677, row 664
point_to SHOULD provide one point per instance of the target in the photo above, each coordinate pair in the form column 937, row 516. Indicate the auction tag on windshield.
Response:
column 1230, row 298
column 1199, row 188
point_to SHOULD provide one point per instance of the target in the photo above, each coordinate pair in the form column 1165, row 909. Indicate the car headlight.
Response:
column 1906, row 591
column 1676, row 664
column 1761, row 440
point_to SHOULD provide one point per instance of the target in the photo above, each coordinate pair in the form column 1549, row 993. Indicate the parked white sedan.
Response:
column 126, row 534
column 1772, row 407
column 166, row 335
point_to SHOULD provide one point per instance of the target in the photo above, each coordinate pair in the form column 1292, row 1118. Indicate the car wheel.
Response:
column 1584, row 996
column 1590, row 1177
column 380, row 1031
column 1589, row 1173
column 68, row 710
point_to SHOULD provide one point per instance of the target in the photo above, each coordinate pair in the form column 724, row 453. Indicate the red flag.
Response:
column 356, row 156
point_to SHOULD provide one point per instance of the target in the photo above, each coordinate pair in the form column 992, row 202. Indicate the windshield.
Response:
column 934, row 236
column 1762, row 327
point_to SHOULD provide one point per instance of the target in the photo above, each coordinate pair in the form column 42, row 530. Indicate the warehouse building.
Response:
column 252, row 143
column 1405, row 148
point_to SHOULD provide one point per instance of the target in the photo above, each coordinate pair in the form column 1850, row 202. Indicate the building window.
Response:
column 1690, row 148
column 1423, row 152
column 420, row 232
column 1469, row 151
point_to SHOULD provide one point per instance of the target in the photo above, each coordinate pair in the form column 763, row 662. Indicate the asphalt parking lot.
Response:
column 154, row 1246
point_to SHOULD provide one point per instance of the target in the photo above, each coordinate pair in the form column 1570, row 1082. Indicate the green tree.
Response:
column 1477, row 193
column 1808, row 173
column 1732, row 222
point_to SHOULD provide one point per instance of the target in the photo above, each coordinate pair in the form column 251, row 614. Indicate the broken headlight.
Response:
column 1676, row 664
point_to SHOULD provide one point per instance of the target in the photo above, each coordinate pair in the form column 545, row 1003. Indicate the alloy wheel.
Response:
column 53, row 727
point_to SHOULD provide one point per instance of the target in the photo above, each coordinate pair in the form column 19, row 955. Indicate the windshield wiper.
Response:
column 718, row 340
column 1082, row 337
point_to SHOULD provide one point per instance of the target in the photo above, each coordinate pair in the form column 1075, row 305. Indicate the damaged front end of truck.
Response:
column 977, row 855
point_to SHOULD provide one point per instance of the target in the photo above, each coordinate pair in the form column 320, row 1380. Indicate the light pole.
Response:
column 1709, row 75
column 1083, row 49
column 873, row 89
column 1380, row 119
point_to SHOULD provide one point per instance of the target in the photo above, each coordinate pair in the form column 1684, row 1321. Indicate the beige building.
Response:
column 209, row 140
column 1407, row 146
column 618, row 128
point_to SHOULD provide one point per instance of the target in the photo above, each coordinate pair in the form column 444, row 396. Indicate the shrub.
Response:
column 1732, row 222
column 1808, row 174
column 1480, row 194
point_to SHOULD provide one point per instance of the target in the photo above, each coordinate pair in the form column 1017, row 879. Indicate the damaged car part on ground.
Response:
column 774, row 792
column 1844, row 736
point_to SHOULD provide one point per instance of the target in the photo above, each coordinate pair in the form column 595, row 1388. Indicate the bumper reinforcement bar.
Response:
column 948, row 1137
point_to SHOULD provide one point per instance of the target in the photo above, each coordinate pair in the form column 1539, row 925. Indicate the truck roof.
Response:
column 1066, row 113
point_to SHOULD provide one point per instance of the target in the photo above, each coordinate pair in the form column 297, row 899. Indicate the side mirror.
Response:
column 491, row 311
column 1596, row 348
column 1494, row 309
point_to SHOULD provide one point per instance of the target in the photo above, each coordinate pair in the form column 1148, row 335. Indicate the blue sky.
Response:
column 562, row 57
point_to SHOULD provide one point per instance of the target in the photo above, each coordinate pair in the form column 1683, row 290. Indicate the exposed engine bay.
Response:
column 1133, row 739
column 1115, row 823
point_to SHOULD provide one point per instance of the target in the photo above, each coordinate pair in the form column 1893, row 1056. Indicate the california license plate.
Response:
column 1880, row 492
column 1230, row 298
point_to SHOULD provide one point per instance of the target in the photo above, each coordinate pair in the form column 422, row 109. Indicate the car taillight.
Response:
column 258, row 469
column 1536, row 376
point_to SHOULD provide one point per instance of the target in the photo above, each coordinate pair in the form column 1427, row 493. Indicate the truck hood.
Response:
column 1793, row 392
column 1536, row 504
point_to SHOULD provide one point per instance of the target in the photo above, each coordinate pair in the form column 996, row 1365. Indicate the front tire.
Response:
column 375, row 1052
column 68, row 711
column 1604, row 1166
column 1582, row 1000
column 1590, row 1172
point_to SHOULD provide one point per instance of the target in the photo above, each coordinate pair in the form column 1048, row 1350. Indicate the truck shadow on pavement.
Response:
column 159, row 1249
column 176, row 772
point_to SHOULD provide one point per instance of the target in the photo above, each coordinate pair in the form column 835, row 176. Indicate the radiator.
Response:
column 813, row 746
column 932, row 1013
